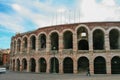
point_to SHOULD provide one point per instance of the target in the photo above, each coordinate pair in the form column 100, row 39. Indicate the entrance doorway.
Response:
column 68, row 65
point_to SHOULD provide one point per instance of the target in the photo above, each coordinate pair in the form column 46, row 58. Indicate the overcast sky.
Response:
column 26, row 15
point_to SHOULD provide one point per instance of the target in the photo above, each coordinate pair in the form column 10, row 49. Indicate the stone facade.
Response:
column 5, row 57
column 69, row 48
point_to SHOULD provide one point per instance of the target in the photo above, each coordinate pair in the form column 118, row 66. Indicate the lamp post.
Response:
column 54, row 65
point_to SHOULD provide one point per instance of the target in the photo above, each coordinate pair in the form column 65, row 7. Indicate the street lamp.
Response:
column 54, row 65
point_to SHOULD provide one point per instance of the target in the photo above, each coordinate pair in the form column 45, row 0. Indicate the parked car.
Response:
column 2, row 70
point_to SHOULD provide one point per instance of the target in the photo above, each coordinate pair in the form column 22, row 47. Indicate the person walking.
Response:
column 88, row 72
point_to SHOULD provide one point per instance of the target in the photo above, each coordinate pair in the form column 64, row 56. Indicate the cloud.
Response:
column 22, row 16
column 40, row 13
column 109, row 3
column 16, row 7
column 105, row 11
column 11, row 22
column 44, row 13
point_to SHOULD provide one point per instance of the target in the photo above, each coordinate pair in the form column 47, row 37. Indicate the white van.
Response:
column 2, row 70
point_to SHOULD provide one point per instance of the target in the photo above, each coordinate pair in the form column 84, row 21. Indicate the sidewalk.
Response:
column 43, row 76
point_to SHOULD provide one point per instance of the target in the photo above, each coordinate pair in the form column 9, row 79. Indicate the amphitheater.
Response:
column 68, row 48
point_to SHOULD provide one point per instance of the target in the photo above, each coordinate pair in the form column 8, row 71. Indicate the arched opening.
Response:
column 68, row 65
column 18, row 65
column 54, row 67
column 82, row 38
column 42, row 41
column 14, row 46
column 25, row 42
column 99, row 65
column 24, row 64
column 13, row 65
column 83, row 45
column 1, row 61
column 54, row 40
column 98, row 40
column 32, row 65
column 68, row 40
column 42, row 65
column 114, row 37
column 33, row 42
column 115, row 65
column 83, row 64
column 18, row 45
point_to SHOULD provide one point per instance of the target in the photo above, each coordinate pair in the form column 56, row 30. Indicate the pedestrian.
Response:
column 88, row 72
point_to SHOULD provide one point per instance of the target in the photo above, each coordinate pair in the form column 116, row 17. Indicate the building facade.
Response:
column 69, row 48
column 5, row 57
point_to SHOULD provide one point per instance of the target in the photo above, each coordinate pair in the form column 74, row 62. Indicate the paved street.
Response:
column 34, row 76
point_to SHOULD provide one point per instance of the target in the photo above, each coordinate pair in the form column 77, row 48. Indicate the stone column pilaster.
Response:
column 28, row 46
column 108, row 67
column 16, row 48
column 75, row 47
column 75, row 66
column 37, row 45
column 108, row 64
column 37, row 66
column 21, row 45
column 90, row 41
column 28, row 66
column 60, row 43
column 15, row 65
column 21, row 66
column 91, row 65
column 61, row 66
column 48, row 45
column 107, row 44
column 48, row 66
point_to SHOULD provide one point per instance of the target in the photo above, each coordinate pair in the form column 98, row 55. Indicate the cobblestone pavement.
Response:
column 35, row 76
